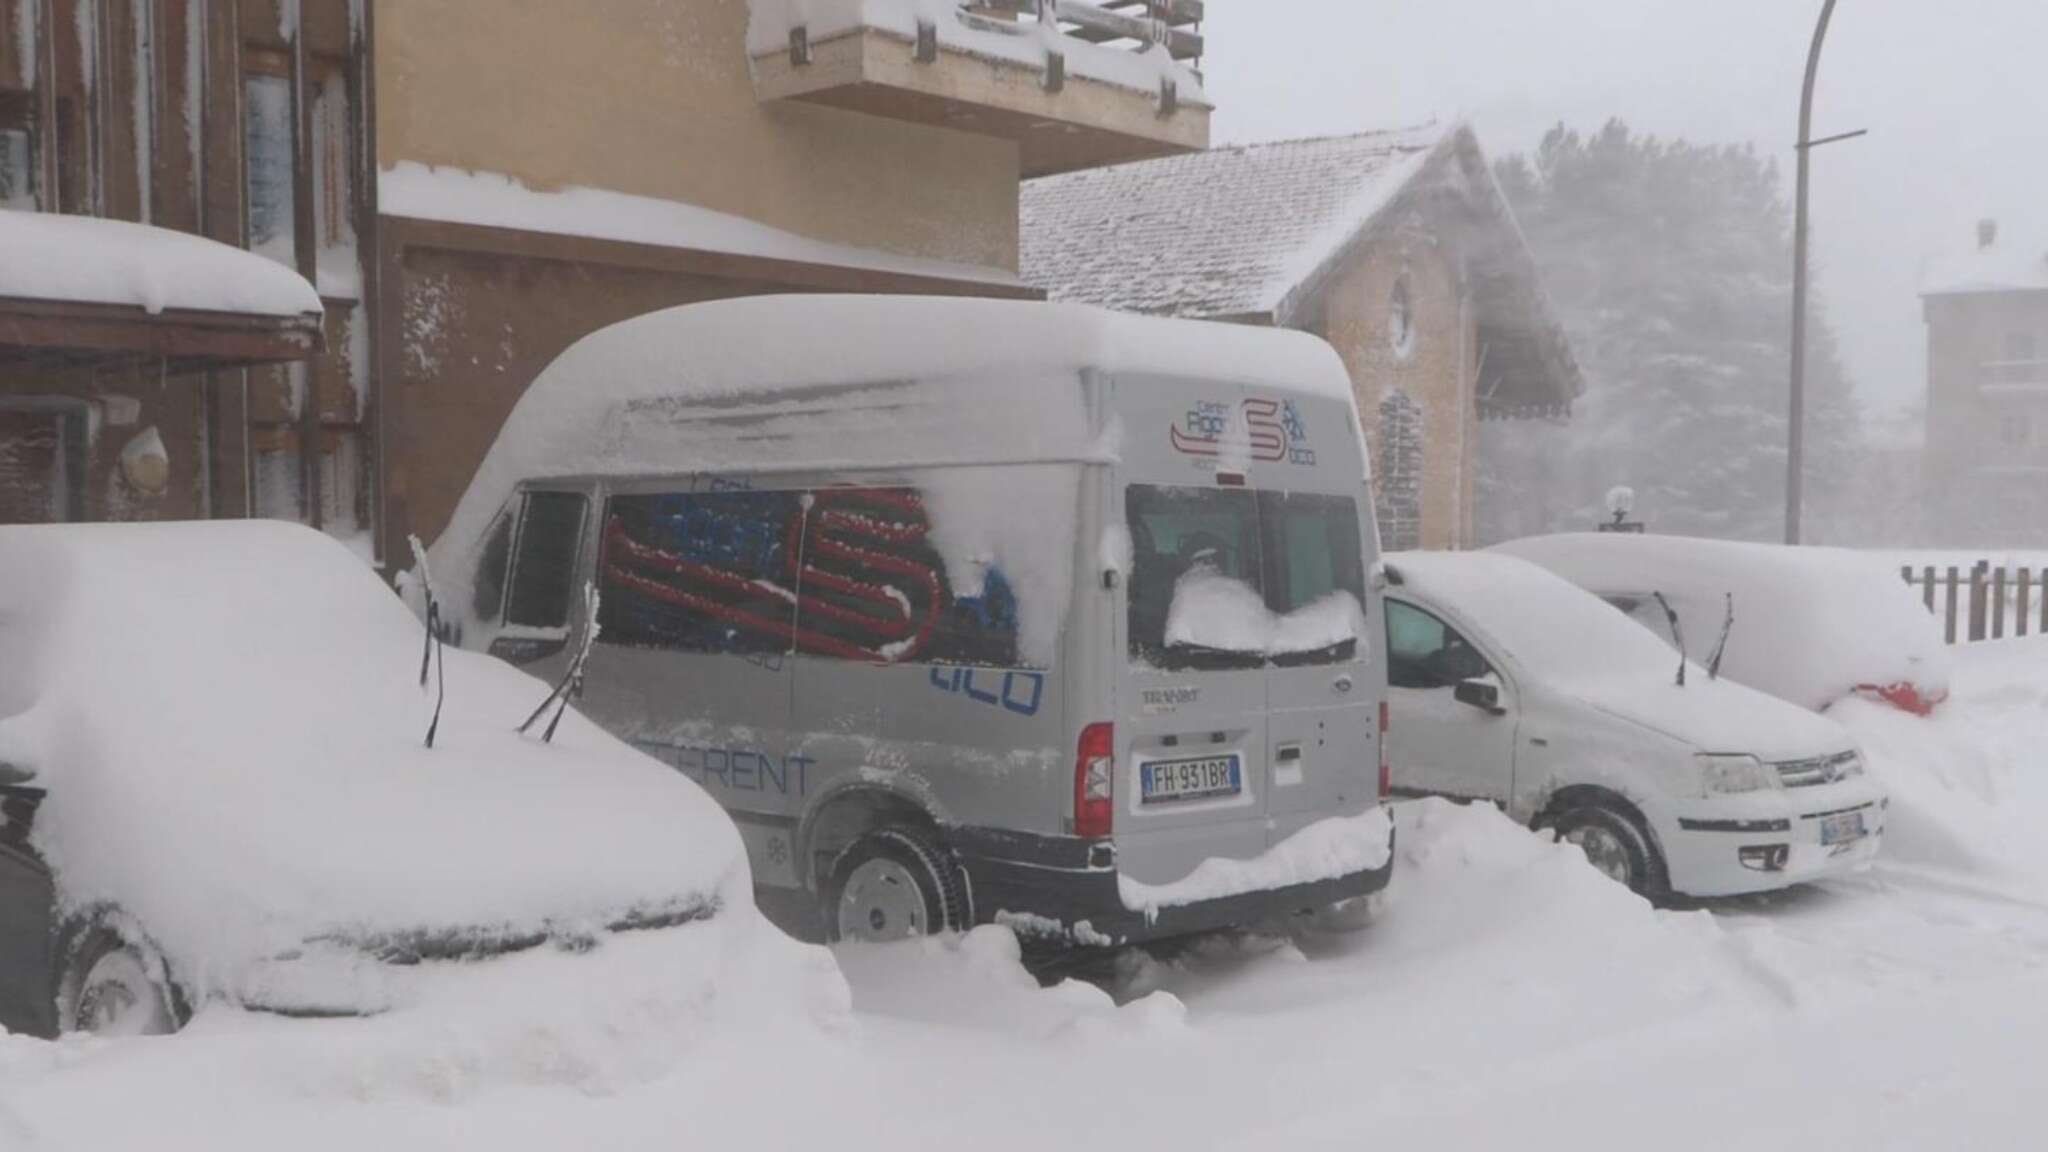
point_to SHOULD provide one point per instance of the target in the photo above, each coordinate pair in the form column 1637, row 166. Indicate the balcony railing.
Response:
column 1139, row 62
column 2013, row 377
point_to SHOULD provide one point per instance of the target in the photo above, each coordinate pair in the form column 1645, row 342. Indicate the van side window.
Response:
column 544, row 560
column 843, row 573
column 1424, row 652
column 487, row 597
column 699, row 571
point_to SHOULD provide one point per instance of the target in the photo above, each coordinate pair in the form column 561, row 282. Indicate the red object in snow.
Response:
column 1904, row 696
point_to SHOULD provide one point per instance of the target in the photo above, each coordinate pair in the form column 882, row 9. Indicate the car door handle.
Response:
column 1287, row 753
column 1341, row 685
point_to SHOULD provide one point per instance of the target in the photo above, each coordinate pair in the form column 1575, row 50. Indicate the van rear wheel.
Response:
column 892, row 884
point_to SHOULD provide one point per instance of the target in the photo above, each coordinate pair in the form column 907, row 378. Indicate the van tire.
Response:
column 895, row 883
column 1615, row 842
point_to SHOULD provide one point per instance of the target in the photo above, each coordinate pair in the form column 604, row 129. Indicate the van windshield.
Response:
column 1231, row 578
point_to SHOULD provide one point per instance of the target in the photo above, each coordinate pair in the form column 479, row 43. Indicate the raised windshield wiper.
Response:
column 1677, row 633
column 1727, row 625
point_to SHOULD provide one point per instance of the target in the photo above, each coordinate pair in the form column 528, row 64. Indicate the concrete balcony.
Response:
column 1076, row 85
column 2013, row 378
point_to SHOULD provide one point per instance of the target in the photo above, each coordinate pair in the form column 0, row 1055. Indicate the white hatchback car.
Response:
column 1510, row 685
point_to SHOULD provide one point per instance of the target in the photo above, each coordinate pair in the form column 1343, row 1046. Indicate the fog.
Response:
column 1953, row 94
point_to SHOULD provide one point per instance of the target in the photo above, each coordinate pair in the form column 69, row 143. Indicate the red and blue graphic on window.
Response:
column 844, row 573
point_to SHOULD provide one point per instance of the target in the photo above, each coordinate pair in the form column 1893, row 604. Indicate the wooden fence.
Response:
column 1983, row 602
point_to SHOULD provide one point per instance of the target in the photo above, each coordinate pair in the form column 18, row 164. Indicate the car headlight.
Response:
column 1736, row 773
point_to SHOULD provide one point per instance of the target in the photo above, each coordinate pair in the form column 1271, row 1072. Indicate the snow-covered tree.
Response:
column 1670, row 265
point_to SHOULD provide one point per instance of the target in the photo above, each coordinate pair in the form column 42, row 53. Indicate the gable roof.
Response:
column 1224, row 233
column 1251, row 233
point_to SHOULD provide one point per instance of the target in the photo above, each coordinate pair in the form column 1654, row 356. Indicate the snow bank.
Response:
column 1325, row 850
column 487, row 199
column 86, row 260
column 1024, row 42
column 1812, row 625
column 1968, row 791
column 1211, row 610
column 229, row 722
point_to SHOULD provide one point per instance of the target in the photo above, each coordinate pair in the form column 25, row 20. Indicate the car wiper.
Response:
column 433, row 640
column 1727, row 625
column 571, row 683
column 1677, row 633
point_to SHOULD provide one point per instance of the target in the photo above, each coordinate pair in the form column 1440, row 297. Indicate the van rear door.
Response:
column 1321, row 693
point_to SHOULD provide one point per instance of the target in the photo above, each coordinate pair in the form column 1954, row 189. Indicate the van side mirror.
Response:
column 1479, row 694
column 15, row 774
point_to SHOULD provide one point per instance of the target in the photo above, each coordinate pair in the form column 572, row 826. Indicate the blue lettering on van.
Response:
column 735, row 769
column 1019, row 692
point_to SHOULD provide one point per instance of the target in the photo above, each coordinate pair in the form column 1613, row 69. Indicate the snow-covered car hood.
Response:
column 1715, row 716
column 229, row 721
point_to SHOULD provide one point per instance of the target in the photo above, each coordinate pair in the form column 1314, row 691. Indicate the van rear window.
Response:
column 841, row 573
column 1231, row 578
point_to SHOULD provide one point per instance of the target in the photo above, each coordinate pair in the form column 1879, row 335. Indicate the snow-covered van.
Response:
column 968, row 611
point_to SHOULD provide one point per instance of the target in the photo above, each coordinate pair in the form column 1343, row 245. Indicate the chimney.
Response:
column 1987, row 233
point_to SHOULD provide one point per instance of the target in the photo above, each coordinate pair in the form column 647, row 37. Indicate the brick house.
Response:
column 473, row 185
column 1396, row 247
column 1986, row 448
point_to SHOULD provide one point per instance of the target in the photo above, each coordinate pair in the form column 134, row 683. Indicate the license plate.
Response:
column 1169, row 781
column 1841, row 828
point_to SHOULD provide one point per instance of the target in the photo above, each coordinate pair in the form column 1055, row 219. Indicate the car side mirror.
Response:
column 1480, row 694
column 15, row 774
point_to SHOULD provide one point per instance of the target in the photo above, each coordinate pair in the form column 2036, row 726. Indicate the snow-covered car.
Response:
column 1508, row 684
column 215, row 785
column 1808, row 625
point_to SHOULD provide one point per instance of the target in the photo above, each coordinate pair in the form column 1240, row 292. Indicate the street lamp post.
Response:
column 1795, row 455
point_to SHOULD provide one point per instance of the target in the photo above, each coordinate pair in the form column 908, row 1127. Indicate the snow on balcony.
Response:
column 1077, row 84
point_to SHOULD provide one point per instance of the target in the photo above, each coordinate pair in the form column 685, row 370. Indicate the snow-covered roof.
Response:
column 1228, row 232
column 86, row 260
column 1025, row 42
column 487, row 199
column 1253, row 232
column 1999, row 267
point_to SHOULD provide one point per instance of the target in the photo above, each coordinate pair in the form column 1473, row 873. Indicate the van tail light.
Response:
column 1386, row 773
column 1094, row 781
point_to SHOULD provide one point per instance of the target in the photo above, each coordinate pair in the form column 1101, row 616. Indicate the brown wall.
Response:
column 139, row 397
column 1354, row 316
column 654, row 97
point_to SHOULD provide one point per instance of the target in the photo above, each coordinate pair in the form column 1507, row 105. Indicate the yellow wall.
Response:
column 654, row 97
column 1435, row 372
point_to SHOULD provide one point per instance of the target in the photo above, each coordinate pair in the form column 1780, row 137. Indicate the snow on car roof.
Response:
column 1811, row 624
column 1552, row 626
column 92, row 261
column 229, row 720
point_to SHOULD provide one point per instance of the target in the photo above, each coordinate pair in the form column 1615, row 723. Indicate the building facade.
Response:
column 1396, row 247
column 474, row 185
column 1986, row 449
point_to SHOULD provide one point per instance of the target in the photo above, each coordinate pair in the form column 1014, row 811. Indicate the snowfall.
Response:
column 1506, row 996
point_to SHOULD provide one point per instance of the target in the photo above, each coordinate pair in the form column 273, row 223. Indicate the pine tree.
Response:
column 1669, row 264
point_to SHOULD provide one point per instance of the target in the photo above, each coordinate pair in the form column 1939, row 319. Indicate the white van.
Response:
column 1509, row 685
column 967, row 611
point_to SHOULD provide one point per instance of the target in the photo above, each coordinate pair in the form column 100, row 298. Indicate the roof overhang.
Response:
column 62, row 334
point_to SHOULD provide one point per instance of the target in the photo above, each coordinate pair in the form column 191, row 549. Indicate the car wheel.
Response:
column 895, row 884
column 1615, row 844
column 113, row 987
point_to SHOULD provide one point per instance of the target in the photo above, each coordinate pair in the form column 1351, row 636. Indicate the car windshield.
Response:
column 1230, row 578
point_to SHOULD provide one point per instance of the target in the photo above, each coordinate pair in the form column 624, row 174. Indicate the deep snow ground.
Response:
column 1508, row 996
